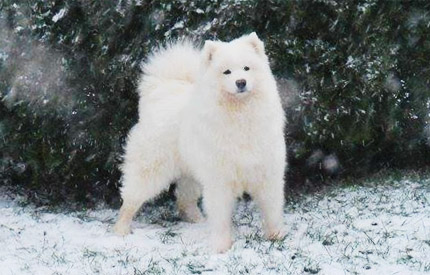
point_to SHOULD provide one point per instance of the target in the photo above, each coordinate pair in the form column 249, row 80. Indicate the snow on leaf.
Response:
column 59, row 15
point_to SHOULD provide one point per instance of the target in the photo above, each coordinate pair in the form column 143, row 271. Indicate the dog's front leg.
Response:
column 218, row 200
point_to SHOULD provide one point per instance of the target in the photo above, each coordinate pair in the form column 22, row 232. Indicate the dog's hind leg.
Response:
column 140, row 185
column 188, row 192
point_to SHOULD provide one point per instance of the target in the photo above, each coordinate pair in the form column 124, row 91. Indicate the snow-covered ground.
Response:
column 379, row 228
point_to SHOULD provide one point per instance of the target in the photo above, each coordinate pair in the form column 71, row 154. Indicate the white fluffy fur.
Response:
column 196, row 127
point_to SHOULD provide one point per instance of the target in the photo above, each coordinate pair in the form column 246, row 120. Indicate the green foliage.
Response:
column 355, row 76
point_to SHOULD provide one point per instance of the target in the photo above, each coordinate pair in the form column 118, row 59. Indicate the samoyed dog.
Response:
column 210, row 120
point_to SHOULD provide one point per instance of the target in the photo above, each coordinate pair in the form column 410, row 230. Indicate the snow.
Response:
column 372, row 228
column 59, row 15
column 350, row 63
column 178, row 25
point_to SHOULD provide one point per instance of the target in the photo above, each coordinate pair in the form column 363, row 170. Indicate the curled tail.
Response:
column 178, row 61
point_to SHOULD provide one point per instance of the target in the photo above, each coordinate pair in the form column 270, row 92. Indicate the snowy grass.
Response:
column 374, row 227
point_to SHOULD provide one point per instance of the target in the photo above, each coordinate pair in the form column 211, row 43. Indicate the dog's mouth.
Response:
column 237, row 93
column 242, row 90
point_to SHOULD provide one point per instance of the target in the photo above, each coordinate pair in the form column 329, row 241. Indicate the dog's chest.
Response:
column 242, row 151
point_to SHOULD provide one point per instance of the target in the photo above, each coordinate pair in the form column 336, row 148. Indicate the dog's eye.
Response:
column 246, row 68
column 227, row 72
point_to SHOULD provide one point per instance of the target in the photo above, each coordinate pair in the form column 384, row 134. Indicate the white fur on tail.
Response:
column 176, row 62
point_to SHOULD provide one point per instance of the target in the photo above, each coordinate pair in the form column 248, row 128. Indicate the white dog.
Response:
column 212, row 121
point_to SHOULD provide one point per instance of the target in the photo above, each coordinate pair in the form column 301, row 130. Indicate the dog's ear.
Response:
column 256, row 43
column 208, row 51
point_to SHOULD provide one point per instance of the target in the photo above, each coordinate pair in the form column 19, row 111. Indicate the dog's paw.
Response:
column 192, row 215
column 121, row 229
column 221, row 244
column 275, row 234
column 197, row 218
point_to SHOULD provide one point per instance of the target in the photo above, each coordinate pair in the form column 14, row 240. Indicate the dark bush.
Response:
column 354, row 76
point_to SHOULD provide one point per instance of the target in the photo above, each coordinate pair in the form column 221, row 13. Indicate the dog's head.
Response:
column 238, row 66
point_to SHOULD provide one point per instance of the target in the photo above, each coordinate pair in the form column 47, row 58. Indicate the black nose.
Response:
column 241, row 83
